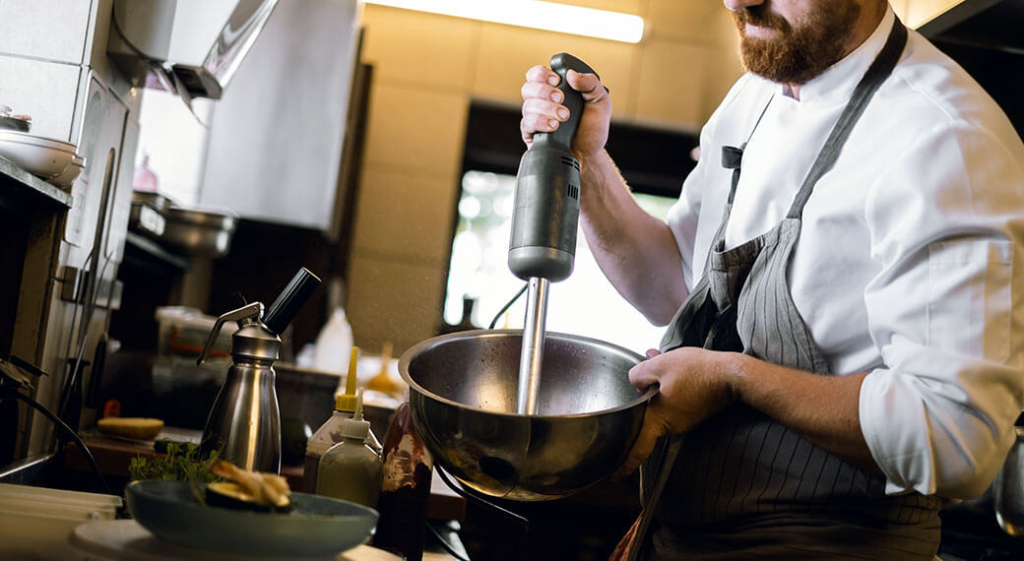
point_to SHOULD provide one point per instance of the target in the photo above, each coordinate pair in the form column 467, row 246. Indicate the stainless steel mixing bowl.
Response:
column 463, row 390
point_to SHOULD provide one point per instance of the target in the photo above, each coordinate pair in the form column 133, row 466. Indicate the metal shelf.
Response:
column 152, row 254
column 19, row 188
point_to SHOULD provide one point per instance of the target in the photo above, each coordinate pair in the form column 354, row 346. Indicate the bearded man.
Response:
column 842, row 283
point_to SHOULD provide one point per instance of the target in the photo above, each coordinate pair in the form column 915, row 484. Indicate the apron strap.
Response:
column 877, row 73
column 732, row 158
column 669, row 447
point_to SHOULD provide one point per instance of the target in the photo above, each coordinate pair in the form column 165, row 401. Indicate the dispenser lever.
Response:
column 253, row 310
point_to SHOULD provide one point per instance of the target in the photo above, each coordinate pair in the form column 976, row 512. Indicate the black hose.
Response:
column 71, row 433
column 479, row 499
column 508, row 305
column 445, row 544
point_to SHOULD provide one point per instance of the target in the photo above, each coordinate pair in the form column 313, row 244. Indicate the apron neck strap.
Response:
column 876, row 74
column 732, row 157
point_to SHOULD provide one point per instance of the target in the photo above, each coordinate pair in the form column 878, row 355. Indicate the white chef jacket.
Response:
column 910, row 262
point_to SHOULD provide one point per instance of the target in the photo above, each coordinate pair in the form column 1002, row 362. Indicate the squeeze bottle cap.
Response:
column 356, row 427
column 347, row 400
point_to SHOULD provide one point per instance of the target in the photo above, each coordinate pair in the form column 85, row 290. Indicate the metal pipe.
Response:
column 533, row 346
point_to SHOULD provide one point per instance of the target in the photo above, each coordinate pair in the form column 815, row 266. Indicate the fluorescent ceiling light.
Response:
column 549, row 16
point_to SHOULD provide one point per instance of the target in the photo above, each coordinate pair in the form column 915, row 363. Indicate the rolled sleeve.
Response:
column 945, row 312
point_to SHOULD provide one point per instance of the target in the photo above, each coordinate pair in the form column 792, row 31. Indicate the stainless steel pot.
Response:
column 462, row 389
column 158, row 201
column 147, row 213
column 199, row 231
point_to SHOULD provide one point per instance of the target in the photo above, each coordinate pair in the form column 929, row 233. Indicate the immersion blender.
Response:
column 542, row 248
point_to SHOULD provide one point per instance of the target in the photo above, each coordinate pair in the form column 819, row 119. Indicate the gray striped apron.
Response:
column 745, row 485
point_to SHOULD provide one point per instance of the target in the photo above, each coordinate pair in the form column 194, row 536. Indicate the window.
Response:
column 584, row 304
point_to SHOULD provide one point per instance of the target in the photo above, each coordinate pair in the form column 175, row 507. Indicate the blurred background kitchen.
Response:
column 374, row 144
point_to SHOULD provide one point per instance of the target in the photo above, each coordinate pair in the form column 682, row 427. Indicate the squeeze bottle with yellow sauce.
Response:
column 329, row 433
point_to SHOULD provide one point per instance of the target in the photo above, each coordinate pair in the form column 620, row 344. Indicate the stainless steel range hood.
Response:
column 988, row 24
column 192, row 48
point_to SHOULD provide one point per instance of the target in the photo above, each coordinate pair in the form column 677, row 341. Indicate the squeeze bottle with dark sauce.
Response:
column 405, row 488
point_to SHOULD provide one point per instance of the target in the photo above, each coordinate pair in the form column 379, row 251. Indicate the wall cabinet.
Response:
column 54, row 30
column 62, row 244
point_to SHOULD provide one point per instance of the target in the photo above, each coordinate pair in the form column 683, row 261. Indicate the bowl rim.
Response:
column 146, row 487
column 29, row 139
column 292, row 527
column 406, row 359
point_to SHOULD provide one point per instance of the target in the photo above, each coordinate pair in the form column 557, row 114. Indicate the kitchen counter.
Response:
column 16, row 185
column 970, row 533
column 113, row 455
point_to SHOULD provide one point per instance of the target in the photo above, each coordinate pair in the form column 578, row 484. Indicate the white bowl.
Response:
column 42, row 157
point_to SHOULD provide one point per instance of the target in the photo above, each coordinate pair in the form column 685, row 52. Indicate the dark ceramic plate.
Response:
column 315, row 527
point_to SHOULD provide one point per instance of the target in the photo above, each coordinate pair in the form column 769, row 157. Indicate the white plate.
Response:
column 43, row 157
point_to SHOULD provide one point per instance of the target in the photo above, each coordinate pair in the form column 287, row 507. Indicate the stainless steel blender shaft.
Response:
column 533, row 346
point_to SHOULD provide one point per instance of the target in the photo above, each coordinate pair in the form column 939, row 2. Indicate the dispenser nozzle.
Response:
column 356, row 427
column 287, row 304
column 347, row 401
column 358, row 415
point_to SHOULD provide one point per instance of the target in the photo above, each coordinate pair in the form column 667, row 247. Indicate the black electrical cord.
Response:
column 62, row 425
column 90, row 298
column 508, row 305
column 66, row 387
column 445, row 544
column 478, row 498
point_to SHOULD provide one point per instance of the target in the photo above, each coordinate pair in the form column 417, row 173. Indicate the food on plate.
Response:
column 248, row 489
column 180, row 461
column 140, row 428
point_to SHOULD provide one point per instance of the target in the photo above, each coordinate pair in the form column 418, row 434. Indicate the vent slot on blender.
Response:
column 571, row 162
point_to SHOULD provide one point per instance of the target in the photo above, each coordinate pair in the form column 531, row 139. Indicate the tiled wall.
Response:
column 427, row 69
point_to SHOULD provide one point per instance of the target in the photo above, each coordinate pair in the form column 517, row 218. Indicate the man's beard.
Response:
column 801, row 51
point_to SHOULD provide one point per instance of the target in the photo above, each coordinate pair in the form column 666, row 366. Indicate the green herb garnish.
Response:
column 182, row 462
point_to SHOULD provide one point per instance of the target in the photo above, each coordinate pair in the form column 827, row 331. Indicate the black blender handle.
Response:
column 290, row 301
column 561, row 64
